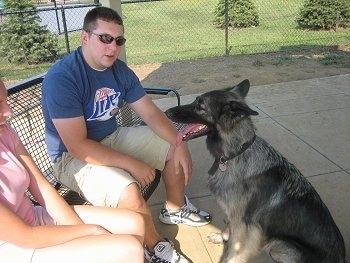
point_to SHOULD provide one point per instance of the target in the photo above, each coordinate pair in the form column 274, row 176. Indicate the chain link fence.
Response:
column 173, row 30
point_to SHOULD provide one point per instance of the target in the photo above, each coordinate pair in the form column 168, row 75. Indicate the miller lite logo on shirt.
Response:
column 105, row 104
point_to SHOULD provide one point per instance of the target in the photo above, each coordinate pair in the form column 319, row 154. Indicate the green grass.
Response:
column 335, row 60
column 170, row 31
column 176, row 30
column 165, row 31
column 258, row 63
column 16, row 72
column 282, row 61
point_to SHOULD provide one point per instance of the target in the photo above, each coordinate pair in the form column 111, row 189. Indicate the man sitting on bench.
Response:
column 82, row 93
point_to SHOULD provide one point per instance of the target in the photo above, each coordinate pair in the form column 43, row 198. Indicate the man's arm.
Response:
column 74, row 136
column 164, row 128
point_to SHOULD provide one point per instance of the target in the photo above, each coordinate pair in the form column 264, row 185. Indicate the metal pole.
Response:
column 65, row 28
column 227, row 50
column 58, row 22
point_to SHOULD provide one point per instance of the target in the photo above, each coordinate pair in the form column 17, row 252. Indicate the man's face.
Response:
column 97, row 54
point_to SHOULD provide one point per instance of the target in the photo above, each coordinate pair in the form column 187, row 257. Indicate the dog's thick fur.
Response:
column 268, row 202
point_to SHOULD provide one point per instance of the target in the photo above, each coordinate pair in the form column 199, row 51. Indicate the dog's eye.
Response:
column 199, row 100
column 198, row 107
column 199, row 103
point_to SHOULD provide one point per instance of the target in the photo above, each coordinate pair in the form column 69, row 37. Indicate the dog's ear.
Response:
column 238, row 109
column 241, row 89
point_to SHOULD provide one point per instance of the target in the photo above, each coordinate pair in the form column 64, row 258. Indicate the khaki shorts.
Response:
column 10, row 253
column 102, row 185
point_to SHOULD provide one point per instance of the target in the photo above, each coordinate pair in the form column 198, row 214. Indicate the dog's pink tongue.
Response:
column 181, row 135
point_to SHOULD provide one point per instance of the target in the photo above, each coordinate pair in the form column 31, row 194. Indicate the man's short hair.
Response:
column 102, row 13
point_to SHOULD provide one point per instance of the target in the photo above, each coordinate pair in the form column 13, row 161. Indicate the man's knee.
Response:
column 131, row 198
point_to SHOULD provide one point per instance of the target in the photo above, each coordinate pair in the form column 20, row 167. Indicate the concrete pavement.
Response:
column 308, row 121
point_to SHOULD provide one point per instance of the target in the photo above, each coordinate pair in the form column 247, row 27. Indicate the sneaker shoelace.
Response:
column 190, row 206
column 184, row 213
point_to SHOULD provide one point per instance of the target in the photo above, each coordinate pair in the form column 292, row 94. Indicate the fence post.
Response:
column 227, row 50
column 58, row 21
column 65, row 29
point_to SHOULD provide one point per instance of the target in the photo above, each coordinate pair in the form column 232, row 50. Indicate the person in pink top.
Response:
column 46, row 233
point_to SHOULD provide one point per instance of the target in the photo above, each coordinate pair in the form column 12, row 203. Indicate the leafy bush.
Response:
column 324, row 14
column 22, row 38
column 241, row 14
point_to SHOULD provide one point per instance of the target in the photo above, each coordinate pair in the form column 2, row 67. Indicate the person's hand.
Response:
column 142, row 172
column 182, row 159
column 98, row 230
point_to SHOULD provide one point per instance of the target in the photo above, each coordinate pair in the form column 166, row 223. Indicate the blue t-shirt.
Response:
column 71, row 88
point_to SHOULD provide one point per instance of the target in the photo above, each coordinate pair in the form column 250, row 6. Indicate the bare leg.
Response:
column 93, row 249
column 124, row 245
column 132, row 199
column 174, row 184
column 117, row 221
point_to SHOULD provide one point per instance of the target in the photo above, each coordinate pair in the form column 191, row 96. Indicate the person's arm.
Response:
column 15, row 231
column 44, row 193
column 163, row 127
column 74, row 136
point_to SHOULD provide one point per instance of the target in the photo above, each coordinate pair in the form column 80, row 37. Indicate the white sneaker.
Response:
column 164, row 252
column 188, row 215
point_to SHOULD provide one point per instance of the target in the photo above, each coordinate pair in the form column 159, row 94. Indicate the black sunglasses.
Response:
column 107, row 39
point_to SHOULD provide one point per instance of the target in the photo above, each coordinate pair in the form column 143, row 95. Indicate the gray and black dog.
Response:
column 268, row 202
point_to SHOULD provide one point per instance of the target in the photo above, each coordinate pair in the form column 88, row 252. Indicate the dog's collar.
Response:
column 222, row 162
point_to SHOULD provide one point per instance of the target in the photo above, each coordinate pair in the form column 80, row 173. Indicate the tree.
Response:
column 324, row 14
column 22, row 38
column 241, row 14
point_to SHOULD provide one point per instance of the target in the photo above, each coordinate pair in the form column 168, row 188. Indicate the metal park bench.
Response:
column 25, row 101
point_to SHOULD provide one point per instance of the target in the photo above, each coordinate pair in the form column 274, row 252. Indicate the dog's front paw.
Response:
column 215, row 238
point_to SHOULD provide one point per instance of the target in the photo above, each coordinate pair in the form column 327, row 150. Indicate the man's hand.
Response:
column 182, row 159
column 142, row 172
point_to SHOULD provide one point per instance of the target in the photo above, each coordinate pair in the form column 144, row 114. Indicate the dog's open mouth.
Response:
column 191, row 131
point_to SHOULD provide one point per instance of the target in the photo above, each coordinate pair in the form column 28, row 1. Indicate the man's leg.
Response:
column 114, row 187
column 145, row 145
column 177, row 208
column 174, row 184
column 107, row 186
column 132, row 199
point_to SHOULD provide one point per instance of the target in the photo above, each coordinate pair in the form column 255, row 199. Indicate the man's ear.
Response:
column 84, row 37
